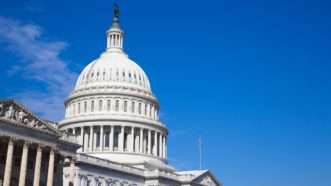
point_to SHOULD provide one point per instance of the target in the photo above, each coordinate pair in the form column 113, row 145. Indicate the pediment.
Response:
column 15, row 113
column 206, row 179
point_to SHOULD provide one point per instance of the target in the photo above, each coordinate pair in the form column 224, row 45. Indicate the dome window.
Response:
column 123, row 75
column 133, row 107
column 139, row 108
column 130, row 77
column 125, row 107
column 108, row 105
column 100, row 105
column 92, row 106
column 117, row 105
column 85, row 106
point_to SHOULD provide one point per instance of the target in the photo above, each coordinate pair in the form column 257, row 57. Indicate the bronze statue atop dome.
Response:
column 116, row 11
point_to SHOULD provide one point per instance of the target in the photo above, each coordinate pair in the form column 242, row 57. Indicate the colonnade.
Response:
column 110, row 138
column 24, row 162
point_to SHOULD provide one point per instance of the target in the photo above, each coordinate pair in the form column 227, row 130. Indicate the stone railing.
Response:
column 160, row 173
column 109, row 164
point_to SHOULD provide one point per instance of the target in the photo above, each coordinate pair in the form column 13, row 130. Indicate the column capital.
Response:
column 12, row 139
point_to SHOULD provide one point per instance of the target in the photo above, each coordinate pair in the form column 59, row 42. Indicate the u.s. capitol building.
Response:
column 111, row 133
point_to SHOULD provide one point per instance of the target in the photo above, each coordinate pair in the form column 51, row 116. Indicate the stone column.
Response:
column 149, row 146
column 74, row 132
column 86, row 141
column 95, row 140
column 81, row 139
column 152, row 112
column 111, row 138
column 9, row 162
column 24, row 162
column 121, row 140
column 141, row 140
column 91, row 139
column 101, row 138
column 132, row 140
column 155, row 144
column 148, row 110
column 36, row 177
column 160, row 145
column 50, row 173
column 165, row 147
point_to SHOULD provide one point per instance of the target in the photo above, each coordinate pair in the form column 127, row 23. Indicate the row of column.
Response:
column 115, row 40
column 23, row 167
column 105, row 138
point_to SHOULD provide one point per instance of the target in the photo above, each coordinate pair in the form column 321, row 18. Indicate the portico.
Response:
column 32, row 153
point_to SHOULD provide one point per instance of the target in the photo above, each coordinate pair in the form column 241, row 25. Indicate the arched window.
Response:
column 79, row 108
column 92, row 106
column 108, row 105
column 125, row 107
column 133, row 107
column 146, row 109
column 85, row 106
column 139, row 108
column 117, row 105
column 100, row 105
column 130, row 76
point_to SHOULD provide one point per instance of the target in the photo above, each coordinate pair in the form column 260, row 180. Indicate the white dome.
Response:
column 112, row 110
column 113, row 69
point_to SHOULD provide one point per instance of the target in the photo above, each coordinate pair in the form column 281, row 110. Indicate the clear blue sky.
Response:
column 251, row 77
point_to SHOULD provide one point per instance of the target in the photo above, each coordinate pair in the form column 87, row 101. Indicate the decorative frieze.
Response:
column 12, row 111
